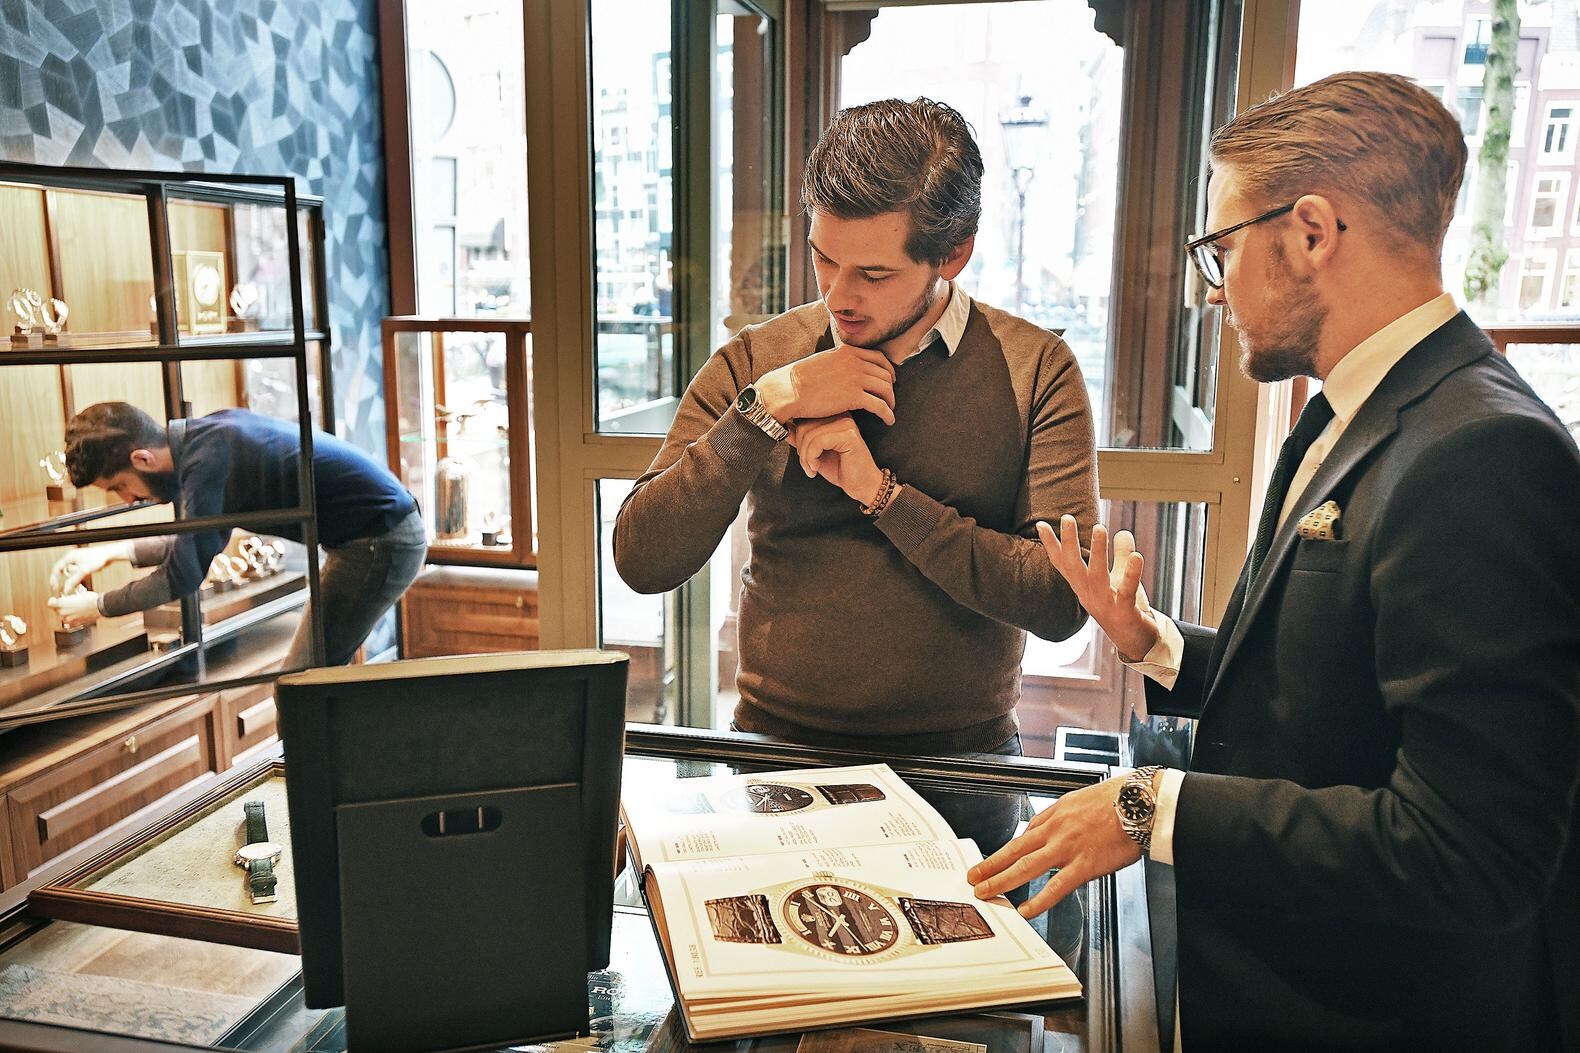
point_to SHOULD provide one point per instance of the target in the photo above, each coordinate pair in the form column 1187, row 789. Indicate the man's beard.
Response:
column 1290, row 350
column 161, row 484
column 914, row 314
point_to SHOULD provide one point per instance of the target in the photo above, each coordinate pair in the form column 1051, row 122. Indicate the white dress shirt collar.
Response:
column 951, row 326
column 1351, row 382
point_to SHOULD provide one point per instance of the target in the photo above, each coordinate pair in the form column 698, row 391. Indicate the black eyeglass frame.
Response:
column 1195, row 245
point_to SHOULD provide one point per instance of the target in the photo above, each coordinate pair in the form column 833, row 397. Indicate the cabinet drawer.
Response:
column 249, row 719
column 68, row 804
column 471, row 619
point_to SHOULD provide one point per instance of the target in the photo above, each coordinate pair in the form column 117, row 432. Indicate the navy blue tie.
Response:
column 1312, row 420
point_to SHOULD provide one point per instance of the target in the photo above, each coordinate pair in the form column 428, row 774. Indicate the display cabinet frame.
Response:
column 521, row 552
column 1120, row 1007
column 128, row 682
column 64, row 898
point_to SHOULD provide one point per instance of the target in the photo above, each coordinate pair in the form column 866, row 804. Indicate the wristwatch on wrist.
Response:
column 1137, row 805
column 258, row 854
column 752, row 408
column 844, row 918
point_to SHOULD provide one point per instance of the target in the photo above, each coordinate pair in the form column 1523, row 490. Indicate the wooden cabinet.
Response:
column 470, row 610
column 72, row 793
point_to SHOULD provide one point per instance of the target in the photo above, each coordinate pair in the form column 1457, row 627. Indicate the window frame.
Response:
column 1566, row 154
column 572, row 455
column 1560, row 198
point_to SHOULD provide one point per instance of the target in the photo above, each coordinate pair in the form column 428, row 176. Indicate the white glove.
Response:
column 79, row 563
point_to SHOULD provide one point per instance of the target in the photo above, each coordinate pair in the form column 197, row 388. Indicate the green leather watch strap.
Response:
column 261, row 880
column 257, row 825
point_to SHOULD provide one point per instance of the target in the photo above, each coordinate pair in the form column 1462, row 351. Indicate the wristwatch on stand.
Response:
column 777, row 798
column 843, row 917
column 258, row 854
column 752, row 408
column 1137, row 806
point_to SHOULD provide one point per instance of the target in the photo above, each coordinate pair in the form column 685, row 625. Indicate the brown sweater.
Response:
column 906, row 634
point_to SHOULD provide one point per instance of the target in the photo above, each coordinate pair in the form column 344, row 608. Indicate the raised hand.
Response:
column 839, row 380
column 1113, row 597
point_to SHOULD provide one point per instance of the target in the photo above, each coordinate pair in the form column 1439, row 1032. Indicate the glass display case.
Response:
column 180, row 295
column 163, row 987
column 457, row 414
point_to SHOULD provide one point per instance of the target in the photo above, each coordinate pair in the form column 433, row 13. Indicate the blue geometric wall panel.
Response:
column 265, row 87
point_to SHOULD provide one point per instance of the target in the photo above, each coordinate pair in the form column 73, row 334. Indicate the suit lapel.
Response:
column 1455, row 344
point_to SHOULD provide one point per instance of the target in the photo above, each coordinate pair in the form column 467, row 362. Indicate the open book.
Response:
column 825, row 896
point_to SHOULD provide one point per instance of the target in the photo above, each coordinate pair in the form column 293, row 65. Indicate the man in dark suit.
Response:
column 1375, row 843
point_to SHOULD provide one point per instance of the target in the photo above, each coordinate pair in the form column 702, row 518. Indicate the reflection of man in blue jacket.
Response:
column 233, row 462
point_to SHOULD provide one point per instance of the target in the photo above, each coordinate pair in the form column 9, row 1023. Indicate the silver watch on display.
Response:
column 752, row 409
column 1137, row 805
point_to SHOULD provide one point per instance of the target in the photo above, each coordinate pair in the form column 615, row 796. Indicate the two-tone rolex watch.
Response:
column 752, row 408
column 844, row 918
column 777, row 798
column 1137, row 805
column 258, row 855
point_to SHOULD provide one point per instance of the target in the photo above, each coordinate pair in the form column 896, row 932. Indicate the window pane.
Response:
column 633, row 215
column 651, row 629
column 1049, row 133
column 1447, row 44
column 1080, row 684
column 654, row 269
column 1553, row 370
column 465, row 78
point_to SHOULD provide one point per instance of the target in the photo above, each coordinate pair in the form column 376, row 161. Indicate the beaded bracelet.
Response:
column 885, row 492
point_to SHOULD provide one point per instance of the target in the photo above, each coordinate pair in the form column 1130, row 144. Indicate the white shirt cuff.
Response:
column 1162, row 662
column 1161, row 848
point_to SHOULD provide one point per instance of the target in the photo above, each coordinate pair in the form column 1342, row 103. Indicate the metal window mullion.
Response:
column 306, row 497
column 229, row 520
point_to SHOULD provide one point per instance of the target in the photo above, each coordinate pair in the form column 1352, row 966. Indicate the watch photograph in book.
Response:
column 843, row 918
column 202, row 872
column 777, row 798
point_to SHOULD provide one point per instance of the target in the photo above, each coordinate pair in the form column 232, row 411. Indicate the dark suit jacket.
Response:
column 1375, row 845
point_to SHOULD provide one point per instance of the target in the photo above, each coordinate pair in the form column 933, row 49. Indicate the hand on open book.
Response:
column 1079, row 836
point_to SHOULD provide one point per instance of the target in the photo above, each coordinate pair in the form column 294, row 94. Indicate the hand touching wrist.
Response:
column 776, row 390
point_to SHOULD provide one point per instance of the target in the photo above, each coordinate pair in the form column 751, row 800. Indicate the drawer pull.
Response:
column 130, row 744
column 183, row 758
column 521, row 603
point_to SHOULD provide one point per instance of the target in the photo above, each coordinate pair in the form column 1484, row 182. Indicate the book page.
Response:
column 724, row 816
column 864, row 917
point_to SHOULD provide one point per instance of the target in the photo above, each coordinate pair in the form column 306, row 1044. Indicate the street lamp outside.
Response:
column 1022, row 141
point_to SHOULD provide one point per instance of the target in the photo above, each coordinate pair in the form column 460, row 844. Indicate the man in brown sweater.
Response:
column 898, row 443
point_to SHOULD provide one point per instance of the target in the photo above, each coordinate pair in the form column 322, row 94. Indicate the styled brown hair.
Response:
column 892, row 156
column 100, row 440
column 1377, row 137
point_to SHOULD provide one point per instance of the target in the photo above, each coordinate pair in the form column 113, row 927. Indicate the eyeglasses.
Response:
column 1208, row 257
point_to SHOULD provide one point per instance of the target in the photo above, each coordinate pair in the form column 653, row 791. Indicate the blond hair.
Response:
column 1379, row 138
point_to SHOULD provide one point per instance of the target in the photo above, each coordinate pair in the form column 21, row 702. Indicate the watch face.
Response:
column 841, row 920
column 747, row 399
column 1134, row 804
column 258, row 850
column 205, row 285
column 767, row 797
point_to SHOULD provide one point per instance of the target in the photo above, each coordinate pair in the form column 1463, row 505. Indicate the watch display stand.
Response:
column 453, row 823
column 492, row 905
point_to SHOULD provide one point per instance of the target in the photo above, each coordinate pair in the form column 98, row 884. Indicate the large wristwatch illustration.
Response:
column 777, row 798
column 842, row 917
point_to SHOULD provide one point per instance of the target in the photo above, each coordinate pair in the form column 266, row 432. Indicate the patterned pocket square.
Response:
column 1322, row 523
